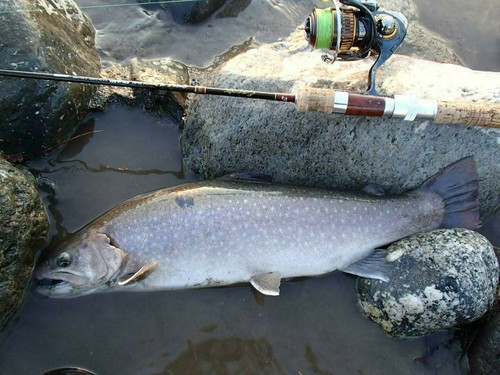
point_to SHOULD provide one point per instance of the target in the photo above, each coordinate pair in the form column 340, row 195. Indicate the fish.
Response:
column 243, row 228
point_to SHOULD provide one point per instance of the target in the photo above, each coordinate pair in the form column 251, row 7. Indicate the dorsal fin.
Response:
column 374, row 189
column 255, row 177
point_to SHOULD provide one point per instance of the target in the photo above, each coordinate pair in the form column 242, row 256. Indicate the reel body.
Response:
column 351, row 30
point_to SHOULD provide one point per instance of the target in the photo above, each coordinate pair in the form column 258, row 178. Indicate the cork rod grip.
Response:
column 479, row 114
column 316, row 100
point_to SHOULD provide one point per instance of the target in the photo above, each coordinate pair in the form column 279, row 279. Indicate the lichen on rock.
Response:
column 23, row 227
column 444, row 278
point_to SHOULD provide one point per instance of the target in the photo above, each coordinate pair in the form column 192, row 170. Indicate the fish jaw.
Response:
column 60, row 284
column 85, row 263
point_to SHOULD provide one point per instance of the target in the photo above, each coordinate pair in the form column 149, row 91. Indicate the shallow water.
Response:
column 151, row 31
column 473, row 29
column 314, row 327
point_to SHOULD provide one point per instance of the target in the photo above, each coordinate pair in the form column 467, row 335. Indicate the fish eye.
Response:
column 63, row 260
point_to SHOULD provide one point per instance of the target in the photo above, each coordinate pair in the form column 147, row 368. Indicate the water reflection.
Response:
column 232, row 355
column 314, row 327
column 114, row 156
column 158, row 30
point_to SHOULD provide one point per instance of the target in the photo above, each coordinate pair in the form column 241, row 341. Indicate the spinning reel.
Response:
column 351, row 30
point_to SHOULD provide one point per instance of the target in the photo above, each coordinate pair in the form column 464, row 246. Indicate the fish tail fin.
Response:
column 457, row 184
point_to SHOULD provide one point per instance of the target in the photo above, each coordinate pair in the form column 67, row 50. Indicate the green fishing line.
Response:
column 101, row 6
column 325, row 25
column 134, row 4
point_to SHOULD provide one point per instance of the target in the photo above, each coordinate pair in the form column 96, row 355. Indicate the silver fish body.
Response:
column 223, row 232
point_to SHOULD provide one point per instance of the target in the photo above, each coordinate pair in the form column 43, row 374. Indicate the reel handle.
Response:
column 399, row 107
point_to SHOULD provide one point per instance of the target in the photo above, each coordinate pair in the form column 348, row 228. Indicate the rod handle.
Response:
column 479, row 114
column 314, row 99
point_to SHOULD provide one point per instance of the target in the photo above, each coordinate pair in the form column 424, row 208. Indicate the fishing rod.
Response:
column 350, row 30
column 320, row 100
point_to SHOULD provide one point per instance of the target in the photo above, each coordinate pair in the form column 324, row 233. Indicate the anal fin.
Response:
column 267, row 283
column 373, row 266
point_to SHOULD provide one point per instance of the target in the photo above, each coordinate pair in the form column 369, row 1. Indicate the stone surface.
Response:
column 484, row 351
column 441, row 279
column 43, row 35
column 153, row 71
column 223, row 135
column 23, row 226
column 484, row 354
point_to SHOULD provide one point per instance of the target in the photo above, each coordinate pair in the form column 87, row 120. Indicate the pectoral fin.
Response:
column 374, row 266
column 142, row 273
column 267, row 283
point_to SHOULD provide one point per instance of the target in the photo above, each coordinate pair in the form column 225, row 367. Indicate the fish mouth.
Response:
column 61, row 284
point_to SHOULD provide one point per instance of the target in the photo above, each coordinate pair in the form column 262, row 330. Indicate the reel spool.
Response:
column 352, row 29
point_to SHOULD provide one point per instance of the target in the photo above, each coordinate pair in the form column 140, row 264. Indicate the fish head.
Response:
column 85, row 263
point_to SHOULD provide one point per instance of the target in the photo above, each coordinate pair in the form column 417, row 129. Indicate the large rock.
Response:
column 23, row 226
column 224, row 135
column 161, row 102
column 42, row 35
column 440, row 279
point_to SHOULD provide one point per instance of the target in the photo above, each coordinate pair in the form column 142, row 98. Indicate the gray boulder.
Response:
column 224, row 135
column 439, row 280
column 161, row 102
column 40, row 36
column 24, row 226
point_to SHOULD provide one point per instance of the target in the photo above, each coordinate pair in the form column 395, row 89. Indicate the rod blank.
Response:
column 202, row 90
column 320, row 100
